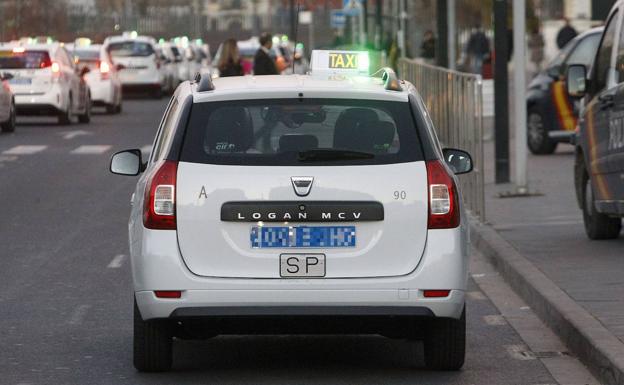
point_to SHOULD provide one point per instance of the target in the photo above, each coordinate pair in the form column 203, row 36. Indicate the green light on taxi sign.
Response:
column 353, row 62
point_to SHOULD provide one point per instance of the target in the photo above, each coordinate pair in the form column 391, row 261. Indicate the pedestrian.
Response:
column 230, row 62
column 427, row 48
column 566, row 33
column 536, row 48
column 477, row 48
column 263, row 63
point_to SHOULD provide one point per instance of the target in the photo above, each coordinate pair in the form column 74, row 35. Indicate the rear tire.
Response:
column 64, row 117
column 86, row 117
column 111, row 109
column 445, row 343
column 537, row 134
column 157, row 93
column 153, row 344
column 597, row 225
column 9, row 125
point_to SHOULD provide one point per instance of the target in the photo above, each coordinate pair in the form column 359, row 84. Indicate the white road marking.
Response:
column 476, row 295
column 494, row 320
column 116, row 262
column 24, row 150
column 91, row 149
column 78, row 315
column 520, row 352
column 73, row 134
column 7, row 158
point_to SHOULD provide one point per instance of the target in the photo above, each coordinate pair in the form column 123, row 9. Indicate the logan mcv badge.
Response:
column 302, row 184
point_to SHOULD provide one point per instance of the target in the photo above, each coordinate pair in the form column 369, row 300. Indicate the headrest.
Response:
column 297, row 142
column 347, row 124
column 373, row 137
column 229, row 130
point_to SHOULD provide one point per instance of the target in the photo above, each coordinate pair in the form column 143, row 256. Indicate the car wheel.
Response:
column 64, row 117
column 111, row 108
column 157, row 93
column 153, row 344
column 597, row 225
column 9, row 125
column 86, row 117
column 445, row 343
column 537, row 134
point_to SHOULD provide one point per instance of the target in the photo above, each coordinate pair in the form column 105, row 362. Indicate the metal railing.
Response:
column 455, row 103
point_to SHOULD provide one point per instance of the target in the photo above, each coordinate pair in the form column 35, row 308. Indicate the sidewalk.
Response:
column 547, row 230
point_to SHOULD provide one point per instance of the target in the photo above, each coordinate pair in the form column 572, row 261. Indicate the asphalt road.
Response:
column 66, row 292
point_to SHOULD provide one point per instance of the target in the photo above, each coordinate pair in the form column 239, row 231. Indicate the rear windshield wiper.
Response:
column 321, row 154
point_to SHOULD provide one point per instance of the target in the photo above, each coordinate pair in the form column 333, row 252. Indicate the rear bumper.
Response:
column 157, row 265
column 102, row 92
column 561, row 136
column 286, row 303
column 49, row 103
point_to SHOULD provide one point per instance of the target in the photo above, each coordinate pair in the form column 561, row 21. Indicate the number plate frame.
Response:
column 300, row 265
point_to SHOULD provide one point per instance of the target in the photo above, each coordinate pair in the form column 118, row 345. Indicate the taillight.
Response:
column 56, row 68
column 159, row 202
column 104, row 67
column 443, row 199
column 104, row 70
column 436, row 293
column 168, row 293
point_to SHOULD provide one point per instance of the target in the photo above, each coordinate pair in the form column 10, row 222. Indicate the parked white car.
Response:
column 46, row 81
column 103, row 78
column 138, row 63
column 285, row 205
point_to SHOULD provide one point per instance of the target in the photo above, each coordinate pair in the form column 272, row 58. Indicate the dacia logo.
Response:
column 343, row 60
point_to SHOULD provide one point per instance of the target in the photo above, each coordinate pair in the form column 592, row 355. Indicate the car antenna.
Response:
column 295, row 37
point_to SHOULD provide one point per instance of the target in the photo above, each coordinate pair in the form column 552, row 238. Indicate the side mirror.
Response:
column 459, row 161
column 127, row 162
column 576, row 81
column 6, row 76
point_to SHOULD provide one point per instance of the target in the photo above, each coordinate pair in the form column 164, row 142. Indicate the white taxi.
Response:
column 45, row 81
column 138, row 62
column 103, row 77
column 298, row 204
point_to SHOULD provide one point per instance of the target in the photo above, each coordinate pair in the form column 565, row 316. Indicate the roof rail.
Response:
column 390, row 79
column 204, row 82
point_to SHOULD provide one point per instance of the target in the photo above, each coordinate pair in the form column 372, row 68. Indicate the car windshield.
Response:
column 24, row 60
column 284, row 132
column 87, row 55
column 130, row 48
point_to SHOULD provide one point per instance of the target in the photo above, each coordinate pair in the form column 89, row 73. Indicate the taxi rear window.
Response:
column 24, row 59
column 277, row 132
column 130, row 49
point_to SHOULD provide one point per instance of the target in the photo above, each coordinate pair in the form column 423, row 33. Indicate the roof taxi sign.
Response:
column 340, row 62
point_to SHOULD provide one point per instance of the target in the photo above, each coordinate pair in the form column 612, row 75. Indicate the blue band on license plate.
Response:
column 302, row 236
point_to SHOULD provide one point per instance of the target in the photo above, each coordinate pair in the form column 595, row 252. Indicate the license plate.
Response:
column 20, row 81
column 302, row 265
column 302, row 236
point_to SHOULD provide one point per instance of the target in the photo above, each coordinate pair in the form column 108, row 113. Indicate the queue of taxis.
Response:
column 45, row 80
column 552, row 115
column 319, row 203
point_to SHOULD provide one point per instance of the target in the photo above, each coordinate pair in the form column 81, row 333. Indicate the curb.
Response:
column 584, row 335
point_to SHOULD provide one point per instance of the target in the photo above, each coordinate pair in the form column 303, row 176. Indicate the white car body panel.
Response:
column 382, row 247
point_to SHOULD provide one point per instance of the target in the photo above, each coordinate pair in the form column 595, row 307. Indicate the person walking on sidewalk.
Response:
column 566, row 33
column 263, row 63
column 477, row 48
column 230, row 62
column 427, row 48
column 536, row 48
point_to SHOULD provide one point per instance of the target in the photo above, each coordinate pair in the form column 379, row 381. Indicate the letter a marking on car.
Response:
column 302, row 185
